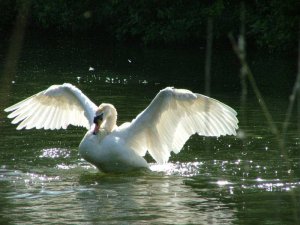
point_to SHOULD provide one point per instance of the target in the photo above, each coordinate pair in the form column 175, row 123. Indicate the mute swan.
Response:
column 164, row 126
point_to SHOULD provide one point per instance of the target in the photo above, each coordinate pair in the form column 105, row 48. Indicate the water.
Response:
column 229, row 180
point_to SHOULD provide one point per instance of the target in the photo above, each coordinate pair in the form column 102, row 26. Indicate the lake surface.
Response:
column 230, row 180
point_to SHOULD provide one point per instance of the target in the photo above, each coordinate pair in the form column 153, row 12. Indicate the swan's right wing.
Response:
column 172, row 117
column 54, row 108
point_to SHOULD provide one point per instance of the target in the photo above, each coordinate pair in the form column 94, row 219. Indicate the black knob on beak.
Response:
column 99, row 117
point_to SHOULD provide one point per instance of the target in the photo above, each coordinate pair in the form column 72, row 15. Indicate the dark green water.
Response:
column 230, row 180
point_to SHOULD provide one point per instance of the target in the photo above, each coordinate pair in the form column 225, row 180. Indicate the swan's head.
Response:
column 105, row 117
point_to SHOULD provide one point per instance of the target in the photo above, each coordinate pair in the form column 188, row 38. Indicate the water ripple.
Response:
column 55, row 153
column 183, row 169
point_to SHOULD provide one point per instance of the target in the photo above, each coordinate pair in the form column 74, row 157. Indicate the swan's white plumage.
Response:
column 172, row 117
column 164, row 126
column 55, row 108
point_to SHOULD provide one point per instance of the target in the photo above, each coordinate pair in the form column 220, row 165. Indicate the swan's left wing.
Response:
column 54, row 108
column 172, row 117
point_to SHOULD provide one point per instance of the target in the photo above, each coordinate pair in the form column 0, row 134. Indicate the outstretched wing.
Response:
column 172, row 117
column 54, row 108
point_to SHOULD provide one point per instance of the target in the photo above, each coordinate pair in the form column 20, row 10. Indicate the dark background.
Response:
column 272, row 25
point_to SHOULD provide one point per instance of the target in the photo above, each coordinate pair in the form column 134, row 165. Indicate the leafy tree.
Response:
column 272, row 24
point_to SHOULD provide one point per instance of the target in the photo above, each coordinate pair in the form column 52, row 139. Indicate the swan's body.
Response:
column 164, row 126
column 109, row 152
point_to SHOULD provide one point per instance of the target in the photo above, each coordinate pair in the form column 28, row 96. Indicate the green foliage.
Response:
column 275, row 23
column 8, row 12
column 62, row 15
column 271, row 24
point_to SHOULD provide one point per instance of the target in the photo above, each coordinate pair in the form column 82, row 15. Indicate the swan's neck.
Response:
column 110, row 122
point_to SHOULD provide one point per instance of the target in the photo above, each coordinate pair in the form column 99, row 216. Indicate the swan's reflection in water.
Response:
column 80, row 194
column 146, row 198
column 175, row 193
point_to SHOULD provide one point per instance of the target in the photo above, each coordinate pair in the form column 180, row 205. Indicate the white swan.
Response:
column 164, row 126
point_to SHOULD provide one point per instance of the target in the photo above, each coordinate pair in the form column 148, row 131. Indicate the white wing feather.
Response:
column 172, row 117
column 54, row 108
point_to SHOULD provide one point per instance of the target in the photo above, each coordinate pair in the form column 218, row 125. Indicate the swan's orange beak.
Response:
column 97, row 121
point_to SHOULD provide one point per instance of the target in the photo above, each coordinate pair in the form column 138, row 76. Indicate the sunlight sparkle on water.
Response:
column 55, row 153
column 182, row 169
column 222, row 182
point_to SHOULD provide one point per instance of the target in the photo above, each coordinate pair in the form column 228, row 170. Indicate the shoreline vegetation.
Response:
column 272, row 25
